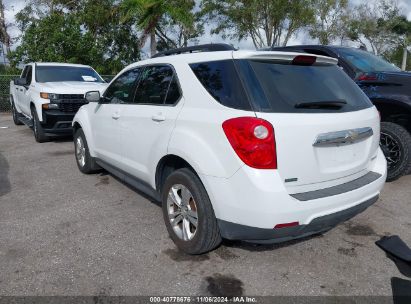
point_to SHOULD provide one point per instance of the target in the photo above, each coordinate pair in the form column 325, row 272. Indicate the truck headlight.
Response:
column 49, row 95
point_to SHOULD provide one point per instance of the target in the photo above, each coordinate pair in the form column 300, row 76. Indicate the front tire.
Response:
column 16, row 120
column 396, row 145
column 38, row 131
column 188, row 213
column 85, row 162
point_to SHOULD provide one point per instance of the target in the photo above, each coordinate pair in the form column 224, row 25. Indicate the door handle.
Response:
column 115, row 115
column 158, row 118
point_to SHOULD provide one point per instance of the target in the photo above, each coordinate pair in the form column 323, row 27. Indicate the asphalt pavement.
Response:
column 66, row 233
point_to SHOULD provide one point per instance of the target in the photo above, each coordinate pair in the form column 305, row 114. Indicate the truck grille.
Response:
column 70, row 103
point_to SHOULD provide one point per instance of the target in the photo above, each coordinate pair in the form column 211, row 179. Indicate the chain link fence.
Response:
column 5, row 90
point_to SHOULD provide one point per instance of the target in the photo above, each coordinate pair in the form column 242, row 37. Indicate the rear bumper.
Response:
column 257, row 200
column 324, row 223
column 57, row 122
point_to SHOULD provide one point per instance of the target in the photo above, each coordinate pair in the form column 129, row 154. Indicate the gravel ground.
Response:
column 65, row 233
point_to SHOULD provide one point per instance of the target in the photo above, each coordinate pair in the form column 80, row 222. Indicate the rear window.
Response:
column 286, row 87
column 280, row 87
column 366, row 62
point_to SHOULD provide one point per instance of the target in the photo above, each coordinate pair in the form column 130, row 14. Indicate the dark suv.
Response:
column 389, row 89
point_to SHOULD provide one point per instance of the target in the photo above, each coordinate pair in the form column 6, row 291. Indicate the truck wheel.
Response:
column 85, row 162
column 396, row 144
column 16, row 114
column 188, row 213
column 37, row 128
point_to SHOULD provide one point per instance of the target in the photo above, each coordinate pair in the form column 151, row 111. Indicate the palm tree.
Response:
column 149, row 14
column 4, row 35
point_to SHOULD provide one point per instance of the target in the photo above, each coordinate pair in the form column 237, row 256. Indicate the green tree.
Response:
column 373, row 25
column 58, row 38
column 118, row 39
column 84, row 31
column 402, row 27
column 266, row 22
column 171, row 34
column 396, row 56
column 151, row 13
column 331, row 15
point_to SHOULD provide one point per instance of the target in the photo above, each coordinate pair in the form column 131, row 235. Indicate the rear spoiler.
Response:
column 283, row 56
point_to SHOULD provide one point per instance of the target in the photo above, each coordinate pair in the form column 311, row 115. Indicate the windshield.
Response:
column 367, row 62
column 66, row 73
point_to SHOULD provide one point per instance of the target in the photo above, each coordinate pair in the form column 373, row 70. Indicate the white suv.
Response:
column 257, row 146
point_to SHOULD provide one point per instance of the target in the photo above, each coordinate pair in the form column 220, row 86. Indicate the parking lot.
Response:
column 65, row 233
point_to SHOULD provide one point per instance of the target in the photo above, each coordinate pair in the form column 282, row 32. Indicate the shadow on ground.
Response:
column 62, row 138
column 267, row 247
column 4, row 176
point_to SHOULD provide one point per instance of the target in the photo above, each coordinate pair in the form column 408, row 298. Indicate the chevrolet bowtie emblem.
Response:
column 343, row 137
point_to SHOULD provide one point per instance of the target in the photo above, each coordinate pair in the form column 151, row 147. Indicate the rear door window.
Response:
column 158, row 86
column 173, row 94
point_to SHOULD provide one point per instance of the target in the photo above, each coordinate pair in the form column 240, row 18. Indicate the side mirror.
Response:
column 93, row 96
column 20, row 81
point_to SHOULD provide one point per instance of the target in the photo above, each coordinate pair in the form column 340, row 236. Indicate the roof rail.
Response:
column 212, row 47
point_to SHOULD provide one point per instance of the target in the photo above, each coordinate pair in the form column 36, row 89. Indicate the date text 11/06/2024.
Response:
column 200, row 299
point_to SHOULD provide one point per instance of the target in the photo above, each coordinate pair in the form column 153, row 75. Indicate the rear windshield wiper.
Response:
column 337, row 104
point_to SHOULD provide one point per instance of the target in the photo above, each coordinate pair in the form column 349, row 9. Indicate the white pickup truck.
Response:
column 47, row 96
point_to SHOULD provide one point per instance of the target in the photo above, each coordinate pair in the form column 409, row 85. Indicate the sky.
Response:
column 14, row 6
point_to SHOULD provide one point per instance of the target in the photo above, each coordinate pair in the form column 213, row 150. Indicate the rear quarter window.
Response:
column 221, row 80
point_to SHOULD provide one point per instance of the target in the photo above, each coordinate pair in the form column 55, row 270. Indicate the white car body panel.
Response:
column 258, row 198
column 153, row 125
column 296, row 133
column 106, row 132
column 193, row 131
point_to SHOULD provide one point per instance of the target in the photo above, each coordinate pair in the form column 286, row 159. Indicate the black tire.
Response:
column 16, row 114
column 396, row 145
column 207, row 234
column 90, row 165
column 39, row 134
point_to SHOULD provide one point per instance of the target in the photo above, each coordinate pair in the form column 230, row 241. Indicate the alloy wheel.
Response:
column 80, row 152
column 182, row 212
column 391, row 149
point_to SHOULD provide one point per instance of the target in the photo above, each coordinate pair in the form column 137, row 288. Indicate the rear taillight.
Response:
column 253, row 140
column 286, row 225
column 367, row 77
